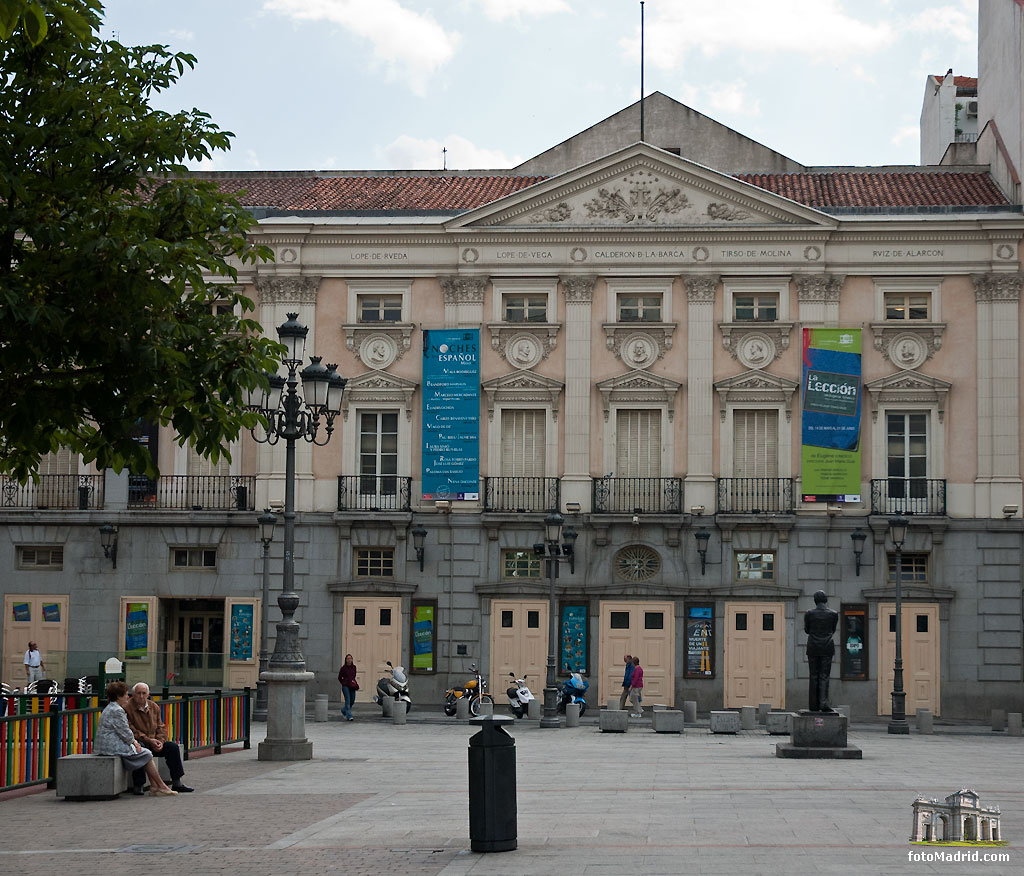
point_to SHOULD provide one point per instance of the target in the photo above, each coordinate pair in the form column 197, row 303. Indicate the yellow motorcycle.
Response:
column 475, row 689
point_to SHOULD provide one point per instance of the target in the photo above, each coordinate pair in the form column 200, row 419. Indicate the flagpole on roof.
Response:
column 641, row 71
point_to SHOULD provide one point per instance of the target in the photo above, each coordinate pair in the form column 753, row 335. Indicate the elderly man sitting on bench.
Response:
column 148, row 726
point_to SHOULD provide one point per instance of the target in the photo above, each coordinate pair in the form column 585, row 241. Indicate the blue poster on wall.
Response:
column 451, row 414
column 241, row 632
column 574, row 639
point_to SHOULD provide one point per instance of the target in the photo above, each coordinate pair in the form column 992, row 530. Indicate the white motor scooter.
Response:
column 519, row 696
column 394, row 686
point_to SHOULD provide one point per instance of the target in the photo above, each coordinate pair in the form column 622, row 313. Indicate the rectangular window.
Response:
column 638, row 444
column 654, row 620
column 907, row 456
column 359, row 617
column 385, row 617
column 741, row 621
column 526, row 308
column 915, row 568
column 768, row 621
column 40, row 558
column 378, row 453
column 194, row 558
column 533, row 620
column 522, row 443
column 639, row 308
column 506, row 619
column 380, row 308
column 619, row 620
column 756, row 308
column 375, row 562
column 755, row 445
column 755, row 566
column 520, row 564
column 900, row 305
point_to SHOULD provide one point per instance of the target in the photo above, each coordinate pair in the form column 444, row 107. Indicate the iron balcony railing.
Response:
column 374, row 493
column 83, row 492
column 193, row 492
column 638, row 495
column 755, row 495
column 908, row 496
column 521, row 494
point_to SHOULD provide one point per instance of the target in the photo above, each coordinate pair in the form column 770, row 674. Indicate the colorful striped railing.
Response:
column 37, row 730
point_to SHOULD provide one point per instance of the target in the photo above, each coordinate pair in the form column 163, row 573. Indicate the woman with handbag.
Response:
column 349, row 685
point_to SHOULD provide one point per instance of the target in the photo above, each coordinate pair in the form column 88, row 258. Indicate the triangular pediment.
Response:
column 639, row 386
column 641, row 187
column 908, row 387
column 379, row 386
column 528, row 380
column 759, row 387
column 522, row 387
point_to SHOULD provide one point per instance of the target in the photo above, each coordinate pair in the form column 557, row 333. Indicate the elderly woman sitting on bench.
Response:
column 114, row 736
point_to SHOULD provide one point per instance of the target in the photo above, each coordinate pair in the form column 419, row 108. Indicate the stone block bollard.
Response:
column 320, row 708
column 533, row 709
column 748, row 718
column 572, row 715
column 486, row 707
column 779, row 723
column 725, row 722
column 387, row 705
column 462, row 708
column 762, row 713
column 614, row 721
column 1013, row 723
column 998, row 720
column 924, row 721
column 690, row 711
column 613, row 703
column 667, row 721
column 398, row 712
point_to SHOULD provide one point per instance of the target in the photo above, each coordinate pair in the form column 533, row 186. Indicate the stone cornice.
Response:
column 463, row 290
column 997, row 287
column 286, row 290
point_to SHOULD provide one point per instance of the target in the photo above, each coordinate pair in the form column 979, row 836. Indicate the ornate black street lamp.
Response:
column 558, row 547
column 266, row 522
column 290, row 416
column 898, row 725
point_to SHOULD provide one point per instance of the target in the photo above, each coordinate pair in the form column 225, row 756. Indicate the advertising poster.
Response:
column 830, row 433
column 699, row 631
column 853, row 642
column 51, row 612
column 22, row 611
column 241, row 632
column 451, row 414
column 136, row 630
column 423, row 637
column 574, row 639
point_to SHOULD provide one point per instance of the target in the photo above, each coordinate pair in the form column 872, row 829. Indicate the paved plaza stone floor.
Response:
column 385, row 799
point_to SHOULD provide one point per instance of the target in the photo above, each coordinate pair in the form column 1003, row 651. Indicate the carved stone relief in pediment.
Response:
column 908, row 387
column 638, row 386
column 522, row 387
column 759, row 387
column 378, row 386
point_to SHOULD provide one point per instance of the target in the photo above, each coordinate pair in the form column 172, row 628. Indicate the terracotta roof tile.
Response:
column 839, row 189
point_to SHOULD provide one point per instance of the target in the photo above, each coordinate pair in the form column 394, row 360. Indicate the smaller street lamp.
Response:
column 267, row 520
column 108, row 538
column 898, row 725
column 419, row 535
column 858, row 536
column 703, row 537
column 559, row 546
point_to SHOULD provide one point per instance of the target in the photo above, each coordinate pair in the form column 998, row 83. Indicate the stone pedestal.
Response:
column 286, row 716
column 819, row 735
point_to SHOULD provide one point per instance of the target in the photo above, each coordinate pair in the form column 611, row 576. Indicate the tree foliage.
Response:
column 111, row 258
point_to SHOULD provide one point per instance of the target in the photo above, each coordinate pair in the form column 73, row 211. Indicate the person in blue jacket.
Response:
column 625, row 680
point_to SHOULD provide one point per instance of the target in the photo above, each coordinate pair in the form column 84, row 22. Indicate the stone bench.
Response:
column 91, row 777
column 614, row 721
column 725, row 722
column 779, row 723
column 667, row 721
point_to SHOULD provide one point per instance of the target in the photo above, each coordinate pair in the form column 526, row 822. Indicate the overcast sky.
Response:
column 385, row 84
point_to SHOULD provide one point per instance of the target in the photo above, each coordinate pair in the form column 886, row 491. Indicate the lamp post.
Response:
column 703, row 537
column 108, row 539
column 898, row 724
column 419, row 535
column 858, row 536
column 558, row 547
column 266, row 521
column 290, row 416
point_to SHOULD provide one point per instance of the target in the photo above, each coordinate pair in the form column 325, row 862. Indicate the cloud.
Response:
column 907, row 133
column 412, row 153
column 499, row 10
column 731, row 97
column 820, row 29
column 953, row 20
column 183, row 36
column 410, row 45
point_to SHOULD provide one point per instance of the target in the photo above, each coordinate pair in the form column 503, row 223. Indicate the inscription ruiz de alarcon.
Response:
column 908, row 253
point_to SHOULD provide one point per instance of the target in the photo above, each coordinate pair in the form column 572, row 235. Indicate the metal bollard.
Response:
column 320, row 707
column 492, row 786
column 572, row 714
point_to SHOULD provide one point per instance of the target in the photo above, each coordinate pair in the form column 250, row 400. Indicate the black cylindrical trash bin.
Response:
column 492, row 786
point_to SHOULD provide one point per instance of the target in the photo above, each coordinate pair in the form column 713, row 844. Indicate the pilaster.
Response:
column 818, row 299
column 700, row 400
column 463, row 300
column 578, row 295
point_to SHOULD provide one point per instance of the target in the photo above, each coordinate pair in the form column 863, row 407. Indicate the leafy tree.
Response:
column 111, row 258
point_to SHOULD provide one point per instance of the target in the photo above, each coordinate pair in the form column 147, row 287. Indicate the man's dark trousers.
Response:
column 820, row 666
column 172, row 754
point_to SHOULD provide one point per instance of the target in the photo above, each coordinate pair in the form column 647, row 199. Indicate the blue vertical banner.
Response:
column 451, row 414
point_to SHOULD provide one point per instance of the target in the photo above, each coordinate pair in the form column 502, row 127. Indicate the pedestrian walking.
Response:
column 636, row 688
column 34, row 668
column 349, row 685
column 628, row 658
